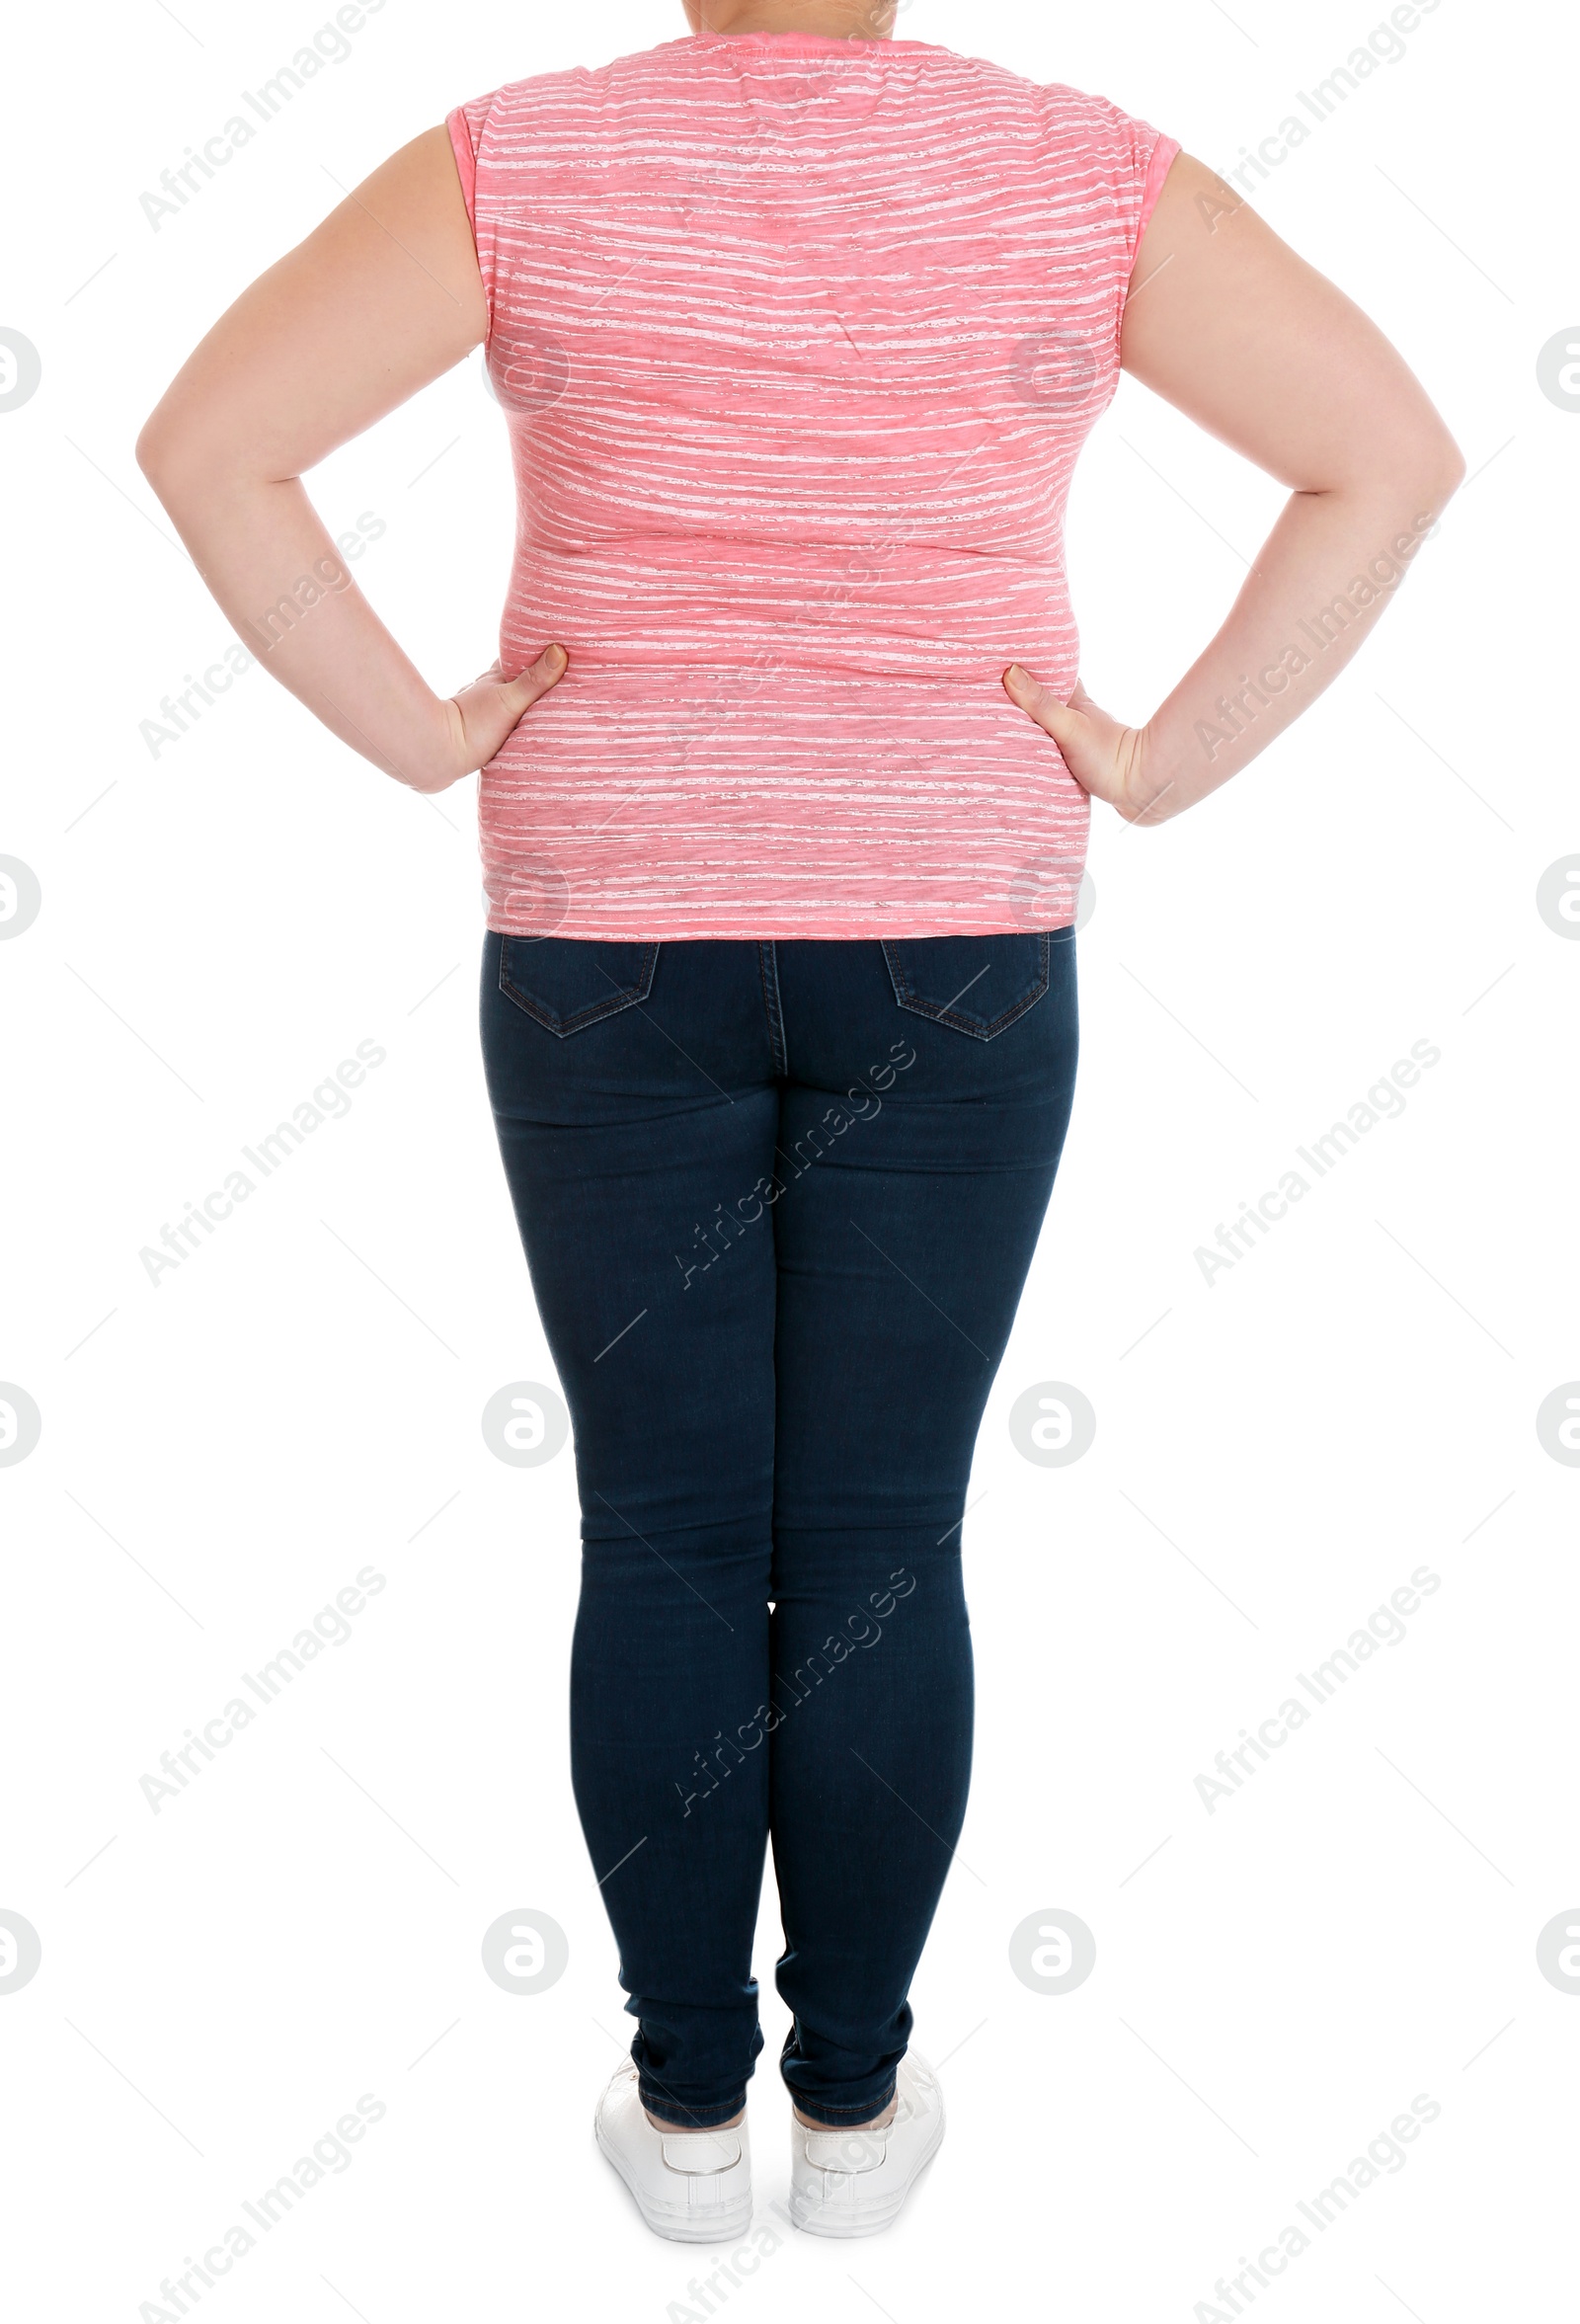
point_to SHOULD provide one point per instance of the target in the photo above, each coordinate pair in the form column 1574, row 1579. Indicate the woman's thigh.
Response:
column 929, row 1090
column 636, row 1108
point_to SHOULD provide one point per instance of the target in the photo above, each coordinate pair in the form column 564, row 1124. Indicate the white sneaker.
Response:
column 692, row 2186
column 853, row 2182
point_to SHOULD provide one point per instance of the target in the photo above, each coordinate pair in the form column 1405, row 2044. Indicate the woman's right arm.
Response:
column 384, row 296
column 1226, row 323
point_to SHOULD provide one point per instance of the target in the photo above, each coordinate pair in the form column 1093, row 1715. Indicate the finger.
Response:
column 1042, row 703
column 545, row 671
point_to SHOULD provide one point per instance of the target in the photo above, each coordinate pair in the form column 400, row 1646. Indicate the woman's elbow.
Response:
column 158, row 450
column 1423, row 453
column 188, row 452
column 1416, row 461
column 1442, row 467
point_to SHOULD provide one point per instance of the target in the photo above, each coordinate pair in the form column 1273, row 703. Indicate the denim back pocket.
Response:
column 568, row 981
column 977, row 984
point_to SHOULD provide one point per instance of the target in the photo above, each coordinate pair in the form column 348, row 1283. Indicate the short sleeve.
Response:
column 466, row 124
column 1163, row 155
column 1126, row 156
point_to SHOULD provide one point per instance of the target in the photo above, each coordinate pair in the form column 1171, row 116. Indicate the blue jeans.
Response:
column 778, row 1201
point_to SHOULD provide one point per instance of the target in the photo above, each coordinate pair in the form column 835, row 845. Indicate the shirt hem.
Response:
column 864, row 929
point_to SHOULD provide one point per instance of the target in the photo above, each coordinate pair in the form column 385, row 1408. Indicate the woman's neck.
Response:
column 838, row 20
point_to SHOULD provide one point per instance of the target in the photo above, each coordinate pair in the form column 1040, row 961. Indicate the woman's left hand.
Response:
column 1106, row 758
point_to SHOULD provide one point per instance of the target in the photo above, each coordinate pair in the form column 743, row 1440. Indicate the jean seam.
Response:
column 768, row 973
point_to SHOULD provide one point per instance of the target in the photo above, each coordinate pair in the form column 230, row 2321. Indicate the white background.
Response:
column 1355, row 1399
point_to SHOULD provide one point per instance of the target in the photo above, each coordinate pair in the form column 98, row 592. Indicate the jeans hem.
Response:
column 689, row 2118
column 839, row 2118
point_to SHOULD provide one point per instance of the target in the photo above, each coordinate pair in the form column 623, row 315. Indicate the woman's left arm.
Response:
column 384, row 297
column 1226, row 323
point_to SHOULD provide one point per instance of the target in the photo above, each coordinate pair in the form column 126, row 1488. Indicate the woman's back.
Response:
column 798, row 344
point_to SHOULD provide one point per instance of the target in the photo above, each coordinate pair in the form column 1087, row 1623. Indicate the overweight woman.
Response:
column 786, row 768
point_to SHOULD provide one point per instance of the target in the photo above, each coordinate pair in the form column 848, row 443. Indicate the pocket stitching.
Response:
column 562, row 1027
column 908, row 998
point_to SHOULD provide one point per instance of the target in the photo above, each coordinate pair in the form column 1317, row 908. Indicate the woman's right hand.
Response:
column 479, row 719
column 1106, row 758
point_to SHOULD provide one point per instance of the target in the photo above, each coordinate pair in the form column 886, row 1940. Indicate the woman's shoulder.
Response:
column 998, row 96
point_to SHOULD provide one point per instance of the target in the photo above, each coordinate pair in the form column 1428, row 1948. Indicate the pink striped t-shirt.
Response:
column 797, row 340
